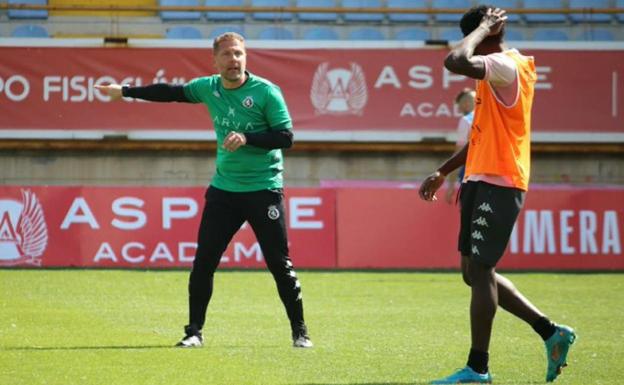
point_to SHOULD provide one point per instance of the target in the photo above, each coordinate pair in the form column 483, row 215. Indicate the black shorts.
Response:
column 488, row 215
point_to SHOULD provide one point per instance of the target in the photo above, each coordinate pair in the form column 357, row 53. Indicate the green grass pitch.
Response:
column 115, row 327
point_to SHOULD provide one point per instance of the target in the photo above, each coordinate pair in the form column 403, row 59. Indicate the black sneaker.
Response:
column 301, row 339
column 192, row 339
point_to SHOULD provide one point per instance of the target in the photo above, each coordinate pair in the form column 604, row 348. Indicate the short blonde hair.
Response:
column 463, row 93
column 226, row 36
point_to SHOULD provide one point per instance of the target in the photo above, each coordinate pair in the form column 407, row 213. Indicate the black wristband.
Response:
column 124, row 90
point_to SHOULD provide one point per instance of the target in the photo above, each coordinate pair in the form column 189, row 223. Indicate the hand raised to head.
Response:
column 494, row 20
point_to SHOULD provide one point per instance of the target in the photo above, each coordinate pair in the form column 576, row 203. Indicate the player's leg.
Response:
column 221, row 219
column 476, row 370
column 557, row 338
column 509, row 297
column 488, row 214
column 494, row 213
column 266, row 215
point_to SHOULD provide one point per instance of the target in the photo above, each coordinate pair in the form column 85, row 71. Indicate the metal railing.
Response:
column 249, row 9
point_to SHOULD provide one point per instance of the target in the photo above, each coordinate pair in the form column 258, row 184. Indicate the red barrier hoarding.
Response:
column 559, row 228
column 145, row 227
column 345, row 228
column 367, row 89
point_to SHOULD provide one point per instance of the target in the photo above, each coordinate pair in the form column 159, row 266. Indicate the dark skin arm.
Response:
column 433, row 182
column 461, row 60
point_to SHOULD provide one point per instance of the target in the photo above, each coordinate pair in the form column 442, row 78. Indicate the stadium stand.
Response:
column 225, row 16
column 550, row 34
column 320, row 33
column 179, row 15
column 366, row 33
column 226, row 28
column 183, row 32
column 271, row 16
column 28, row 13
column 412, row 34
column 544, row 17
column 317, row 25
column 369, row 17
column 451, row 34
column 407, row 17
column 590, row 17
column 317, row 17
column 510, row 4
column 276, row 33
column 450, row 17
column 29, row 30
column 596, row 34
column 112, row 4
column 512, row 34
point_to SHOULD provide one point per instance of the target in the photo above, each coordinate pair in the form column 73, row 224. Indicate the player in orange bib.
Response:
column 498, row 165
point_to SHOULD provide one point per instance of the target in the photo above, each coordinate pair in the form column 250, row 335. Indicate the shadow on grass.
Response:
column 407, row 383
column 105, row 347
column 371, row 383
column 119, row 347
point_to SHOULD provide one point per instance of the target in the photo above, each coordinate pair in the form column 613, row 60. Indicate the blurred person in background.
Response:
column 465, row 102
column 497, row 160
column 252, row 125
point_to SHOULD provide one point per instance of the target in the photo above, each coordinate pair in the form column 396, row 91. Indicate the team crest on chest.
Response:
column 248, row 102
column 273, row 212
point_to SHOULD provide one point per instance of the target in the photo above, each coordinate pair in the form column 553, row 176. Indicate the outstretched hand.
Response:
column 112, row 90
column 494, row 20
column 430, row 185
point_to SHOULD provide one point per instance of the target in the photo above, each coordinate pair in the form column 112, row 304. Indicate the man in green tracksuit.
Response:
column 252, row 125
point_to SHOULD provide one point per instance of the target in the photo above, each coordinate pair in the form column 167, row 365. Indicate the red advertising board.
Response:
column 145, row 227
column 333, row 89
column 345, row 228
column 559, row 228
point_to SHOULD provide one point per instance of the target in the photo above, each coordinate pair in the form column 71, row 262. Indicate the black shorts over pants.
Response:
column 488, row 215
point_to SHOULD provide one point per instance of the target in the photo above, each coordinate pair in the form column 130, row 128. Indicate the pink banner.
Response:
column 145, row 227
column 326, row 89
column 559, row 228
column 347, row 228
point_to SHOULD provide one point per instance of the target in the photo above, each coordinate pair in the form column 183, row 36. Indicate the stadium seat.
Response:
column 179, row 15
column 451, row 34
column 373, row 17
column 412, row 34
column 30, row 30
column 307, row 16
column 544, row 17
column 450, row 17
column 509, row 4
column 619, row 16
column 550, row 34
column 226, row 28
column 110, row 13
column 596, row 34
column 512, row 34
column 225, row 15
column 408, row 17
column 320, row 33
column 590, row 17
column 276, row 33
column 183, row 32
column 271, row 16
column 366, row 33
column 28, row 13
